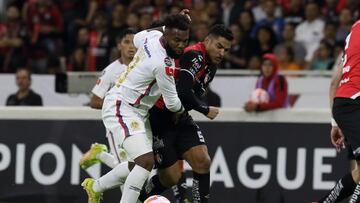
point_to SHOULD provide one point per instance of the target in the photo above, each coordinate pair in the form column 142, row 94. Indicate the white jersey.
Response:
column 108, row 78
column 148, row 75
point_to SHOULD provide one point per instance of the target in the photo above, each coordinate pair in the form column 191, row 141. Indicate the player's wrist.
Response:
column 333, row 123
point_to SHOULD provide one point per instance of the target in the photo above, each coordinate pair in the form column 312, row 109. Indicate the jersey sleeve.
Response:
column 190, row 64
column 166, row 83
column 103, row 84
column 140, row 37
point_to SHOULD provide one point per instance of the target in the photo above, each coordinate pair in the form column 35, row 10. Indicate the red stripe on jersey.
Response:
column 145, row 93
column 123, row 125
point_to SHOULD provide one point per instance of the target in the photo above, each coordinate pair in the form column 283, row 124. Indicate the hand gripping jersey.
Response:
column 146, row 78
column 350, row 81
column 193, row 66
column 108, row 78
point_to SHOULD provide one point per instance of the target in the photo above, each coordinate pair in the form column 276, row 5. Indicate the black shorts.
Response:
column 171, row 141
column 346, row 113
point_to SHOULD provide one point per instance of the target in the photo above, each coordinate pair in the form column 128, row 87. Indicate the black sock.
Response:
column 355, row 197
column 201, row 188
column 153, row 187
column 179, row 190
column 343, row 188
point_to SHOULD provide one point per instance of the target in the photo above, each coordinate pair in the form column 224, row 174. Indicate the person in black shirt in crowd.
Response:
column 24, row 96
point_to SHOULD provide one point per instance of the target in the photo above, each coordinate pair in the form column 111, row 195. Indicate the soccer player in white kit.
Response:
column 126, row 105
column 110, row 75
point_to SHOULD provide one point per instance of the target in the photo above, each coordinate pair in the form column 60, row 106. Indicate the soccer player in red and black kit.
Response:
column 346, row 116
column 184, row 140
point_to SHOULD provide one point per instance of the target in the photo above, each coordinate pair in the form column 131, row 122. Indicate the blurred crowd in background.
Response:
column 49, row 36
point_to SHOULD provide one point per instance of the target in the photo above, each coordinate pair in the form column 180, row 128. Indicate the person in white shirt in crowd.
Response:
column 310, row 32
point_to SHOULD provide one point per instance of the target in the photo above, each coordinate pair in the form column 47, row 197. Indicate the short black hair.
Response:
column 177, row 21
column 220, row 30
column 123, row 33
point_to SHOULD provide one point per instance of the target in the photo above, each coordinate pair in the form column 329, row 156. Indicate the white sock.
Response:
column 107, row 159
column 113, row 178
column 133, row 184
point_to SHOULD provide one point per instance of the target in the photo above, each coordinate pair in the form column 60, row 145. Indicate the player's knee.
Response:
column 170, row 180
column 202, row 162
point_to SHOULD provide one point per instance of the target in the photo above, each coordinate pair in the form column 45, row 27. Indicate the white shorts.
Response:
column 127, row 128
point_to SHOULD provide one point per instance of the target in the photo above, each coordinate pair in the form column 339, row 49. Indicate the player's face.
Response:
column 267, row 68
column 177, row 40
column 23, row 80
column 126, row 46
column 216, row 48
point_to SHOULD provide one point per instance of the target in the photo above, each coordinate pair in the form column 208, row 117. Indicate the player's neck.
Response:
column 124, row 60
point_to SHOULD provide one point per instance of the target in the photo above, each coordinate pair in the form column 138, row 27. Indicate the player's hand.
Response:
column 250, row 106
column 186, row 12
column 213, row 112
column 179, row 116
column 337, row 138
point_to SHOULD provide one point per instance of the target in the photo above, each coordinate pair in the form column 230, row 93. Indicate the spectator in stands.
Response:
column 235, row 59
column 294, row 12
column 77, row 60
column 24, row 96
column 132, row 21
column 246, row 22
column 200, row 30
column 118, row 22
column 213, row 12
column 323, row 58
column 145, row 20
column 330, row 33
column 259, row 11
column 273, row 83
column 45, row 24
column 345, row 23
column 310, row 32
column 12, row 41
column 264, row 43
column 286, row 58
column 329, row 10
column 230, row 11
column 99, row 47
column 288, row 37
column 275, row 23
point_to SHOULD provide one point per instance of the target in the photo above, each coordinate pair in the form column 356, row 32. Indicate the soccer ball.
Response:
column 259, row 96
column 157, row 199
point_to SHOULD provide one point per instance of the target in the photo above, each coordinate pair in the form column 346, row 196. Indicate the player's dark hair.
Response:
column 219, row 30
column 123, row 33
column 177, row 21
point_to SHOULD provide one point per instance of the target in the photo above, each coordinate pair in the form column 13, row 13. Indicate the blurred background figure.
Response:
column 25, row 96
column 271, row 88
column 12, row 40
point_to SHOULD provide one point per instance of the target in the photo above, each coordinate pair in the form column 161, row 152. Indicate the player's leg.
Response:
column 166, row 162
column 180, row 189
column 347, row 114
column 99, row 153
column 200, row 162
column 194, row 150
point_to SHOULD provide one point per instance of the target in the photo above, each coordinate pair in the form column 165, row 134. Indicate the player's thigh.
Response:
column 347, row 114
column 164, row 149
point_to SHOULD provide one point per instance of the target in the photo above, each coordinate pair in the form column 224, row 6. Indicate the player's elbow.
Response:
column 96, row 102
